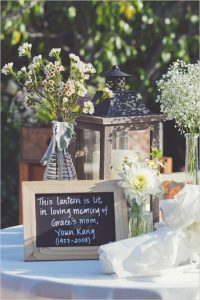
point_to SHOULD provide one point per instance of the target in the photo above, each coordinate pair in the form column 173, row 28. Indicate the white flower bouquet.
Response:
column 140, row 179
column 43, row 83
column 179, row 95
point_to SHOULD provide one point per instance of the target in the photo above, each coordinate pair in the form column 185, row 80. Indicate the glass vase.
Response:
column 140, row 221
column 192, row 158
column 57, row 159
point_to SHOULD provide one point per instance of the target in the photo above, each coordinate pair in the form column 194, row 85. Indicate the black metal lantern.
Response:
column 120, row 126
column 115, row 79
column 123, row 103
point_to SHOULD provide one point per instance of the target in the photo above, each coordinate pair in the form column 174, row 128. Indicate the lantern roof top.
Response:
column 115, row 72
column 113, row 121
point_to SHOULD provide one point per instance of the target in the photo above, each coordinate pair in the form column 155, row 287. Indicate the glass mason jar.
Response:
column 57, row 159
column 139, row 220
column 192, row 158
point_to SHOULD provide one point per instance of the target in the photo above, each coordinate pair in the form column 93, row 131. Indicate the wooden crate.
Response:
column 33, row 143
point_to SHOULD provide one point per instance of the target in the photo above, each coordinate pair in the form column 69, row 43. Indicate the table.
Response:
column 84, row 279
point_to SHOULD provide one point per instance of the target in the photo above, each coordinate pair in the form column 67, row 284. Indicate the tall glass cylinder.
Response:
column 192, row 158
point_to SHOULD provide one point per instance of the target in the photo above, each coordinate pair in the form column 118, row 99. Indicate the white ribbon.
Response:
column 63, row 133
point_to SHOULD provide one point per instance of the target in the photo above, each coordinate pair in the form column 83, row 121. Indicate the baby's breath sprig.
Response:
column 179, row 95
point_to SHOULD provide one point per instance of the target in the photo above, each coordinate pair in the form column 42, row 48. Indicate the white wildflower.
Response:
column 81, row 66
column 50, row 89
column 107, row 93
column 31, row 68
column 74, row 57
column 88, row 108
column 61, row 85
column 44, row 83
column 65, row 99
column 25, row 50
column 85, row 76
column 51, row 83
column 55, row 52
column 7, row 69
column 89, row 68
column 23, row 69
column 61, row 68
column 49, row 70
column 37, row 58
column 36, row 63
column 58, row 67
column 43, row 79
column 69, row 88
column 82, row 91
column 28, row 83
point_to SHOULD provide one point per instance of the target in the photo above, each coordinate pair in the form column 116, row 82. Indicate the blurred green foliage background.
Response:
column 142, row 37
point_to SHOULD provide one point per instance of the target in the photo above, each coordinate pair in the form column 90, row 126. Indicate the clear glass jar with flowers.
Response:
column 45, row 84
column 179, row 96
column 140, row 179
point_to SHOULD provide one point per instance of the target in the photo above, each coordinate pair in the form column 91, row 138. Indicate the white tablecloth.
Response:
column 84, row 279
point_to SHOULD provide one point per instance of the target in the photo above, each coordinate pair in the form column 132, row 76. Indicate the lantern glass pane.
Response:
column 126, row 143
column 89, row 164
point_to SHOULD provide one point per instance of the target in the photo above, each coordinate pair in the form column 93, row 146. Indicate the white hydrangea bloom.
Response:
column 88, row 108
column 7, row 69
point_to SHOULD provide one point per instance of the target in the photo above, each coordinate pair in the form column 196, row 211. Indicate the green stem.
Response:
column 192, row 157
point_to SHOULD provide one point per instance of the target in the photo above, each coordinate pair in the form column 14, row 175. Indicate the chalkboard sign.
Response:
column 71, row 219
column 64, row 220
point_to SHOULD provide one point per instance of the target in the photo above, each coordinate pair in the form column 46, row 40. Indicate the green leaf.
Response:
column 39, row 9
column 21, row 2
column 166, row 56
column 15, row 37
column 118, row 42
column 72, row 12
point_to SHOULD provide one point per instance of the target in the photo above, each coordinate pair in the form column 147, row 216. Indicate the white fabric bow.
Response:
column 172, row 244
column 63, row 133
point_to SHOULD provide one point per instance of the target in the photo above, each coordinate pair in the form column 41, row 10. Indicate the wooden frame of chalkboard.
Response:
column 68, row 220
